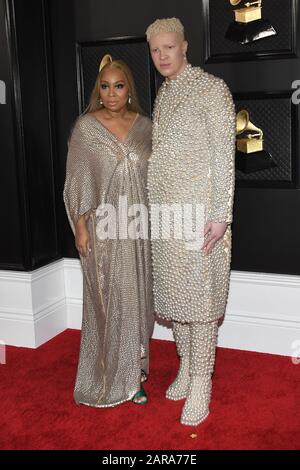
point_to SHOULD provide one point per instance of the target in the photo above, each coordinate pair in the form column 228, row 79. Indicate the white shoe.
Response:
column 196, row 407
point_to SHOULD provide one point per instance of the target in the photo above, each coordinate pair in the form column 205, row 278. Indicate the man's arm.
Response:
column 221, row 121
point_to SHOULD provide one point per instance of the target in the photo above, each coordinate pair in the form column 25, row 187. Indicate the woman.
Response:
column 106, row 171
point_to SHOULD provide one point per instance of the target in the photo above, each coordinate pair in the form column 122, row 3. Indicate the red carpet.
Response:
column 255, row 404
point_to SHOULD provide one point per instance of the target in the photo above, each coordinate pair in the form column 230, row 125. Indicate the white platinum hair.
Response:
column 165, row 25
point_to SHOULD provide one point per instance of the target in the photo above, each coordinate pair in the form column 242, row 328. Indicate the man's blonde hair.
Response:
column 165, row 25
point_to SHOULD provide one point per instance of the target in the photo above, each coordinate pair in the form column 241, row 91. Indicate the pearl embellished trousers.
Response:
column 179, row 388
column 203, row 341
column 198, row 342
column 196, row 346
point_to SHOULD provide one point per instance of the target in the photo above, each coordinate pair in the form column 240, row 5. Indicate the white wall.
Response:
column 263, row 311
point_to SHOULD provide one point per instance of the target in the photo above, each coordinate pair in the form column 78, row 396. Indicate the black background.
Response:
column 38, row 63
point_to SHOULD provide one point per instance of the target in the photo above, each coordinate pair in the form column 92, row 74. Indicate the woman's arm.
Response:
column 82, row 237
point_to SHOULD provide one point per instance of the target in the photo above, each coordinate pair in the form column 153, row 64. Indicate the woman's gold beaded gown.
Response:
column 117, row 282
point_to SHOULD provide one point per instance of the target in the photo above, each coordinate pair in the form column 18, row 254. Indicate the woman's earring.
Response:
column 100, row 101
column 129, row 99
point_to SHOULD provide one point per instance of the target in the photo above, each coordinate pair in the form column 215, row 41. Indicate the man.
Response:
column 192, row 160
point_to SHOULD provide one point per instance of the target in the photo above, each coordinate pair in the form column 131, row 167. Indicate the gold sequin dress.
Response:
column 117, row 284
column 192, row 161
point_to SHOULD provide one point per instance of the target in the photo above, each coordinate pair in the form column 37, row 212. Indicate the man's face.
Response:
column 168, row 51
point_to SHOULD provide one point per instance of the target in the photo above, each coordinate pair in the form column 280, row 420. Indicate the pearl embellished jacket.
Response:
column 192, row 162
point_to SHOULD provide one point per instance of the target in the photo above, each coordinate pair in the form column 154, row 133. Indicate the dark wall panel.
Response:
column 35, row 78
column 11, row 241
column 63, row 41
column 94, row 20
column 266, row 225
column 28, row 178
column 266, row 229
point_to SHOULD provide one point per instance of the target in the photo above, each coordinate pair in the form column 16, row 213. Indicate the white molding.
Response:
column 73, row 292
column 262, row 313
column 32, row 305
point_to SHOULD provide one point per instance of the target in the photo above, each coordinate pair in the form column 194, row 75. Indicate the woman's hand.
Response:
column 213, row 231
column 82, row 237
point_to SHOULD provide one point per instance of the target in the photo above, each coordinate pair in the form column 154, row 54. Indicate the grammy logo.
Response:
column 252, row 140
column 250, row 156
column 249, row 25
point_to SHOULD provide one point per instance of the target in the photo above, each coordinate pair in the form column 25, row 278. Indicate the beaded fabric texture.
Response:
column 179, row 388
column 203, row 339
column 192, row 161
column 117, row 280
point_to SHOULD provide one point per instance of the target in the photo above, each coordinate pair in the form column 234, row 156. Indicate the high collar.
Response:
column 176, row 82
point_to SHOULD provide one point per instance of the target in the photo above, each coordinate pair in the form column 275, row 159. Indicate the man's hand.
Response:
column 213, row 231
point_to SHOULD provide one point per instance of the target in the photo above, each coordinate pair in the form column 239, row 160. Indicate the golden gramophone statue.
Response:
column 249, row 25
column 250, row 155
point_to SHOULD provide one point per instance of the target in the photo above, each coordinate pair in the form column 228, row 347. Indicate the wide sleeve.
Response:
column 80, row 188
column 221, row 124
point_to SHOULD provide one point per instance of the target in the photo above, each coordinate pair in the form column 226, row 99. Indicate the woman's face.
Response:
column 114, row 90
